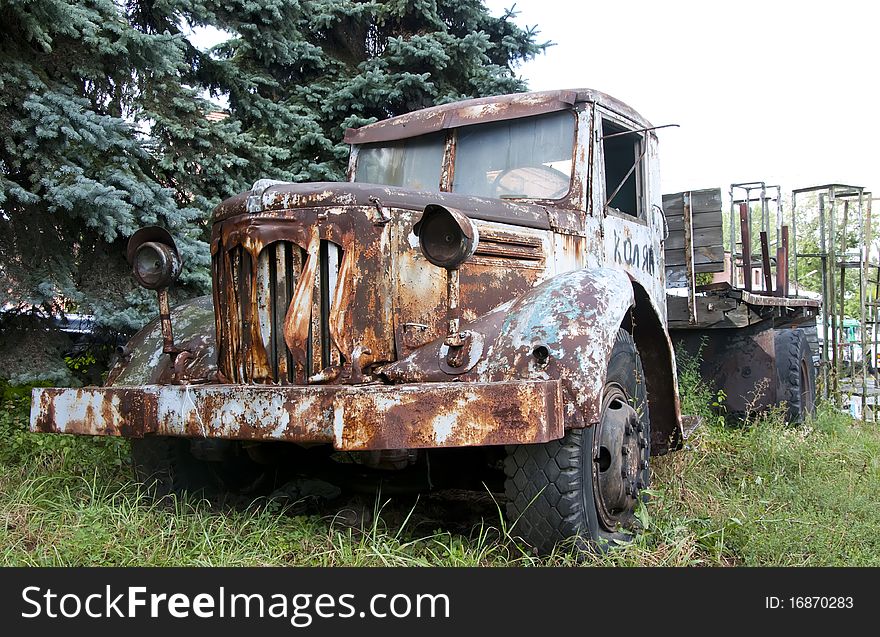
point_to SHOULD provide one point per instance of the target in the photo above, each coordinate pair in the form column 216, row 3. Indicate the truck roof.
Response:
column 486, row 109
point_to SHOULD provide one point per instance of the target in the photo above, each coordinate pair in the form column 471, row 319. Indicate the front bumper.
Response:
column 352, row 418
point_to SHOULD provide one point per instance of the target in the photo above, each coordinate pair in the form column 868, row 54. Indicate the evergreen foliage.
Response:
column 103, row 108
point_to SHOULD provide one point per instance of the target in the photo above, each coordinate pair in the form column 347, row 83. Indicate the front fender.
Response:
column 144, row 363
column 571, row 318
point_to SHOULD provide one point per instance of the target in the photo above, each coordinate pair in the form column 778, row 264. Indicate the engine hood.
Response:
column 267, row 195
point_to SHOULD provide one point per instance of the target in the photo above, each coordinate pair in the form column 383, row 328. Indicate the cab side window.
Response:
column 624, row 173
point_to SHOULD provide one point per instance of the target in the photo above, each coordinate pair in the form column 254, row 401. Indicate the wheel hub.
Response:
column 619, row 458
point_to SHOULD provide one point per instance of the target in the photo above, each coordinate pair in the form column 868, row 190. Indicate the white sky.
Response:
column 775, row 91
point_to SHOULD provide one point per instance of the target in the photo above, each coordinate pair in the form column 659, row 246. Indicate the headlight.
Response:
column 156, row 265
column 154, row 259
column 446, row 236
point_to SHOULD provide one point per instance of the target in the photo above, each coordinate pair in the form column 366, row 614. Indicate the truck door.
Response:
column 627, row 197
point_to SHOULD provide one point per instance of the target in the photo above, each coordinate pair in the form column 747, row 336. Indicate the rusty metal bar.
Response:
column 775, row 301
column 823, row 310
column 746, row 234
column 280, row 301
column 258, row 361
column 339, row 308
column 447, row 171
column 832, row 295
column 453, row 311
column 298, row 317
column 229, row 295
column 863, row 256
column 349, row 417
column 324, row 301
column 765, row 265
column 765, row 212
column 779, row 212
column 871, row 309
column 840, row 262
column 732, row 238
column 794, row 252
column 640, row 130
column 165, row 321
column 782, row 264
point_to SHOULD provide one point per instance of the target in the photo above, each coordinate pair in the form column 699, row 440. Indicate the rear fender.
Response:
column 563, row 329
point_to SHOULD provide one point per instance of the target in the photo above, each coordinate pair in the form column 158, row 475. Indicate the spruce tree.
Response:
column 103, row 118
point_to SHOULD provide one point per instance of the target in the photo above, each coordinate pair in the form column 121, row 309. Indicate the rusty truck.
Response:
column 484, row 296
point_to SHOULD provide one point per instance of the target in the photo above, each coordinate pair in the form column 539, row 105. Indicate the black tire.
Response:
column 167, row 466
column 575, row 486
column 795, row 373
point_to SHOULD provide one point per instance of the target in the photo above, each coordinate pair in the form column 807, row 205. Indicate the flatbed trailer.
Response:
column 750, row 333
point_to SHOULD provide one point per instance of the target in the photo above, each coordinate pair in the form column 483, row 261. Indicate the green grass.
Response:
column 764, row 494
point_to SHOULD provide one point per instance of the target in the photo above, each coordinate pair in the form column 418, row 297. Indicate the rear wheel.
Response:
column 795, row 373
column 587, row 484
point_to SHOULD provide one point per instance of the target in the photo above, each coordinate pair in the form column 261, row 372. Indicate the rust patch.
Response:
column 485, row 109
column 574, row 317
column 351, row 418
column 457, row 415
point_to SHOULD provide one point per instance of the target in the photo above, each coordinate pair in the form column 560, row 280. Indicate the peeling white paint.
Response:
column 443, row 426
column 83, row 407
column 338, row 424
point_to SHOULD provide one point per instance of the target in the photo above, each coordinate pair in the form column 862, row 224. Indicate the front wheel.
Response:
column 587, row 484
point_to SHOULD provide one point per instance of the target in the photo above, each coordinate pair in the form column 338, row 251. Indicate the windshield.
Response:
column 409, row 163
column 528, row 158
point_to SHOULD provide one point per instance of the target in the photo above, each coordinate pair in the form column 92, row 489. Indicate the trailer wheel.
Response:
column 588, row 484
column 167, row 466
column 795, row 373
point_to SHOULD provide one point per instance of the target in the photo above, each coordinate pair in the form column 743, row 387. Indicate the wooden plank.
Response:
column 703, row 237
column 677, row 310
column 702, row 201
column 707, row 220
column 710, row 254
column 701, row 221
column 676, row 224
column 675, row 210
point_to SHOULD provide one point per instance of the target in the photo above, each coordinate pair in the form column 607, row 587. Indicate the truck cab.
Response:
column 490, row 278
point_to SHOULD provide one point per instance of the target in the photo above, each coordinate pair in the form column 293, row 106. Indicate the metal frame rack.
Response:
column 836, row 260
column 740, row 207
